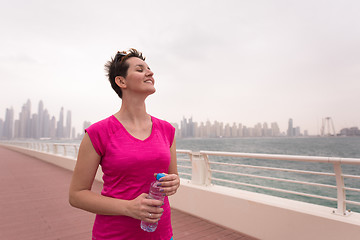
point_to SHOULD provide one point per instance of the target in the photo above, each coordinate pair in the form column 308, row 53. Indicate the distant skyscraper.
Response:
column 60, row 125
column 46, row 124
column 24, row 121
column 290, row 131
column 275, row 130
column 266, row 132
column 240, row 130
column 9, row 124
column 86, row 124
column 68, row 125
column 34, row 126
column 40, row 122
column 1, row 128
column 234, row 130
column 52, row 128
column 227, row 131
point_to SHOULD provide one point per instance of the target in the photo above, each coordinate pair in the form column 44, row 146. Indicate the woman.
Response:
column 131, row 146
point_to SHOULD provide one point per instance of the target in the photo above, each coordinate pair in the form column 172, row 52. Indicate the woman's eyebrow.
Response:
column 142, row 66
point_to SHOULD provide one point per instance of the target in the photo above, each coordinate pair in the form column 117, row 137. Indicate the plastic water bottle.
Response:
column 154, row 193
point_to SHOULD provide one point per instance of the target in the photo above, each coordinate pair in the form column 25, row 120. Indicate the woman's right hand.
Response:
column 145, row 209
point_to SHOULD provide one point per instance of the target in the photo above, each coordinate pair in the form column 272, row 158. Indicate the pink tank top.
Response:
column 129, row 165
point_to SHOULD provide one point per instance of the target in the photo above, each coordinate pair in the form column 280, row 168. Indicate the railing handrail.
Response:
column 355, row 161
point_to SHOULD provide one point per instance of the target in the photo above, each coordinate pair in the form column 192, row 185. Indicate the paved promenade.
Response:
column 34, row 206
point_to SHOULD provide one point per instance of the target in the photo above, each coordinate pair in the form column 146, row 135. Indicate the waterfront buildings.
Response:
column 189, row 129
column 42, row 125
column 353, row 131
column 35, row 125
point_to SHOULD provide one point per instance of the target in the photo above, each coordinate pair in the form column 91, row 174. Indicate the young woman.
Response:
column 131, row 146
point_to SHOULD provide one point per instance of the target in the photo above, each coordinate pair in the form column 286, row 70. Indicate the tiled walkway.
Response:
column 34, row 206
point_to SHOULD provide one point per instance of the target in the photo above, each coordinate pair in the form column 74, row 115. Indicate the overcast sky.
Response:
column 231, row 61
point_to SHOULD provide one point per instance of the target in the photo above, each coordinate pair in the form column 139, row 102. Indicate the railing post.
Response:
column 55, row 148
column 207, row 170
column 341, row 195
column 200, row 173
column 65, row 153
column 76, row 151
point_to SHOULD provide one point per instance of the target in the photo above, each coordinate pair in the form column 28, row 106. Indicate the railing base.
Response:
column 344, row 214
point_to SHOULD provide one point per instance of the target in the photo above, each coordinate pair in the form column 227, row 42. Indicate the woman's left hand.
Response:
column 169, row 184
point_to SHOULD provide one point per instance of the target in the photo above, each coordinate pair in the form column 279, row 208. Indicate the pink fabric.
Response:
column 129, row 165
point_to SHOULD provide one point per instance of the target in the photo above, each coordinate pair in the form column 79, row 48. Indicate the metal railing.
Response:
column 62, row 149
column 265, row 172
column 239, row 170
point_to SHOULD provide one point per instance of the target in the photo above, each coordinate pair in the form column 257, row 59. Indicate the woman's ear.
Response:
column 120, row 81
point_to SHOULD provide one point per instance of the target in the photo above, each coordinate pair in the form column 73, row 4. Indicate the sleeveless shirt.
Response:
column 128, row 166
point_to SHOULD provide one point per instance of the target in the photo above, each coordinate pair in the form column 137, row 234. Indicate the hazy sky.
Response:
column 232, row 61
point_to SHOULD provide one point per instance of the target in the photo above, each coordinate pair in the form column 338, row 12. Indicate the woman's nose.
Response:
column 149, row 72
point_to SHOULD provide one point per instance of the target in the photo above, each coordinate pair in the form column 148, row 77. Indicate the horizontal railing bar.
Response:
column 181, row 166
column 183, row 160
column 352, row 202
column 183, row 151
column 352, row 189
column 350, row 176
column 274, row 169
column 286, row 157
column 275, row 179
column 186, row 174
column 277, row 189
column 64, row 144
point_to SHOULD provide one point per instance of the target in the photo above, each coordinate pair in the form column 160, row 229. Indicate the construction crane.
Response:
column 326, row 122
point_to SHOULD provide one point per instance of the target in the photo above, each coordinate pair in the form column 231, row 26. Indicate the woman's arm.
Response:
column 81, row 196
column 171, row 182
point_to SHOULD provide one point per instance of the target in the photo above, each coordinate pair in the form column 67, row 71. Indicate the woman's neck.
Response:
column 132, row 111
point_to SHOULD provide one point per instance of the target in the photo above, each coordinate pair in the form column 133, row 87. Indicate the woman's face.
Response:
column 139, row 77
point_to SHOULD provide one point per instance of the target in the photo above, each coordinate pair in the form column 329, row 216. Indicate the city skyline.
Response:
column 32, row 124
column 36, row 125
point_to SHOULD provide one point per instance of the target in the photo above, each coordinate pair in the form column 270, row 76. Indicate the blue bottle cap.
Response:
column 160, row 175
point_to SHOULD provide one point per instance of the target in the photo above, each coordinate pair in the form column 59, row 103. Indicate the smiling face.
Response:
column 139, row 78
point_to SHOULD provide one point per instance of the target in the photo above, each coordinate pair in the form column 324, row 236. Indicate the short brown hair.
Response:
column 118, row 66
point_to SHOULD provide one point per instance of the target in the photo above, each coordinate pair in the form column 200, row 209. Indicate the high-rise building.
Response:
column 1, row 128
column 73, row 133
column 266, row 132
column 187, row 128
column 240, row 130
column 52, row 128
column 257, row 132
column 275, row 130
column 208, row 129
column 227, row 131
column 297, row 132
column 60, row 125
column 34, row 126
column 234, row 130
column 68, row 125
column 8, row 129
column 86, row 124
column 46, row 124
column 290, row 131
column 40, row 122
column 16, row 128
column 24, row 130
